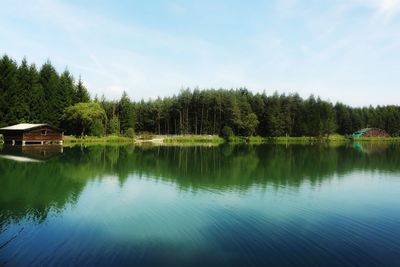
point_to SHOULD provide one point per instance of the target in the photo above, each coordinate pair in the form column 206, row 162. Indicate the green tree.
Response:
column 343, row 119
column 113, row 125
column 37, row 100
column 97, row 128
column 49, row 80
column 328, row 119
column 82, row 94
column 130, row 133
column 8, row 86
column 68, row 90
column 227, row 132
column 125, row 113
column 85, row 118
column 250, row 124
column 19, row 95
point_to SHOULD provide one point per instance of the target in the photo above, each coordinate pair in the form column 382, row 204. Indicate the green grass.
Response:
column 69, row 139
column 214, row 139
column 193, row 139
column 287, row 139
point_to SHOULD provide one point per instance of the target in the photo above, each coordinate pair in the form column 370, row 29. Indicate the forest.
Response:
column 43, row 95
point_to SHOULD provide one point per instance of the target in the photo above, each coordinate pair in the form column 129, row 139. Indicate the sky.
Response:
column 340, row 50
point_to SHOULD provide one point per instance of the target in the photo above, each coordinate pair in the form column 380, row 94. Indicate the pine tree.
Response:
column 8, row 86
column 67, row 88
column 125, row 112
column 19, row 96
column 50, row 83
column 113, row 125
column 82, row 94
column 37, row 100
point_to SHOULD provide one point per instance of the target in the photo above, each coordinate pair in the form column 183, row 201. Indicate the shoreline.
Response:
column 217, row 140
column 214, row 139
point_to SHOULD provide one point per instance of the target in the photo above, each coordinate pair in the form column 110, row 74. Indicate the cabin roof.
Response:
column 23, row 126
column 26, row 126
column 362, row 131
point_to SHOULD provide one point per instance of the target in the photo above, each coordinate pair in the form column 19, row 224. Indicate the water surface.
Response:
column 267, row 205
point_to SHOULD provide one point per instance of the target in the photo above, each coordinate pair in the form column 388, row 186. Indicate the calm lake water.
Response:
column 266, row 205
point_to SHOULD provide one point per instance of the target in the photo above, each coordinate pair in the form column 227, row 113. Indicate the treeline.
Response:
column 31, row 95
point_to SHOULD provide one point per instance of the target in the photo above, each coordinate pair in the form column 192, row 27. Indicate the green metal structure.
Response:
column 360, row 132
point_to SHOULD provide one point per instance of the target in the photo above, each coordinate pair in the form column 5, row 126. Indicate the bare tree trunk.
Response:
column 176, row 130
column 220, row 115
column 187, row 119
column 215, row 119
column 201, row 123
column 180, row 121
column 195, row 124
column 207, row 114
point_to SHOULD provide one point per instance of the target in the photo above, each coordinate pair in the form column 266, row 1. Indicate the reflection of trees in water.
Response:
column 36, row 188
column 239, row 167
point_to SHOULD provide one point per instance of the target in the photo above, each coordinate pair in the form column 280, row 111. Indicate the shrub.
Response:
column 97, row 128
column 226, row 132
column 130, row 133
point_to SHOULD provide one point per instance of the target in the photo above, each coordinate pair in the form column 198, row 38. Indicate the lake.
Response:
column 243, row 205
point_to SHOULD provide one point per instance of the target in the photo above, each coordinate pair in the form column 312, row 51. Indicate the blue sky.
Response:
column 341, row 50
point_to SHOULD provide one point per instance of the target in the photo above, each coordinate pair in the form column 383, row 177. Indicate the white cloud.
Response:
column 389, row 6
column 382, row 7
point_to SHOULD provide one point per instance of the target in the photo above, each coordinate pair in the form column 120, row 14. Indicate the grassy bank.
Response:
column 214, row 139
column 314, row 140
column 287, row 139
column 193, row 139
column 94, row 139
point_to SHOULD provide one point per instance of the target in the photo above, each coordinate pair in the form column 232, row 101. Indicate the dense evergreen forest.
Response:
column 29, row 94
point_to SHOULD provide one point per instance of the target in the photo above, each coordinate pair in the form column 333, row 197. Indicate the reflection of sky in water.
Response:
column 149, row 209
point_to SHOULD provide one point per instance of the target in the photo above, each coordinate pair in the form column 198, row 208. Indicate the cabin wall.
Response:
column 42, row 134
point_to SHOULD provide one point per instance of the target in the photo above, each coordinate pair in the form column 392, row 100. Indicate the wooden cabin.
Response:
column 27, row 133
column 370, row 132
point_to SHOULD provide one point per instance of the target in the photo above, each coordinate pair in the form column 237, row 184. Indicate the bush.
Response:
column 113, row 126
column 130, row 133
column 97, row 128
column 226, row 133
